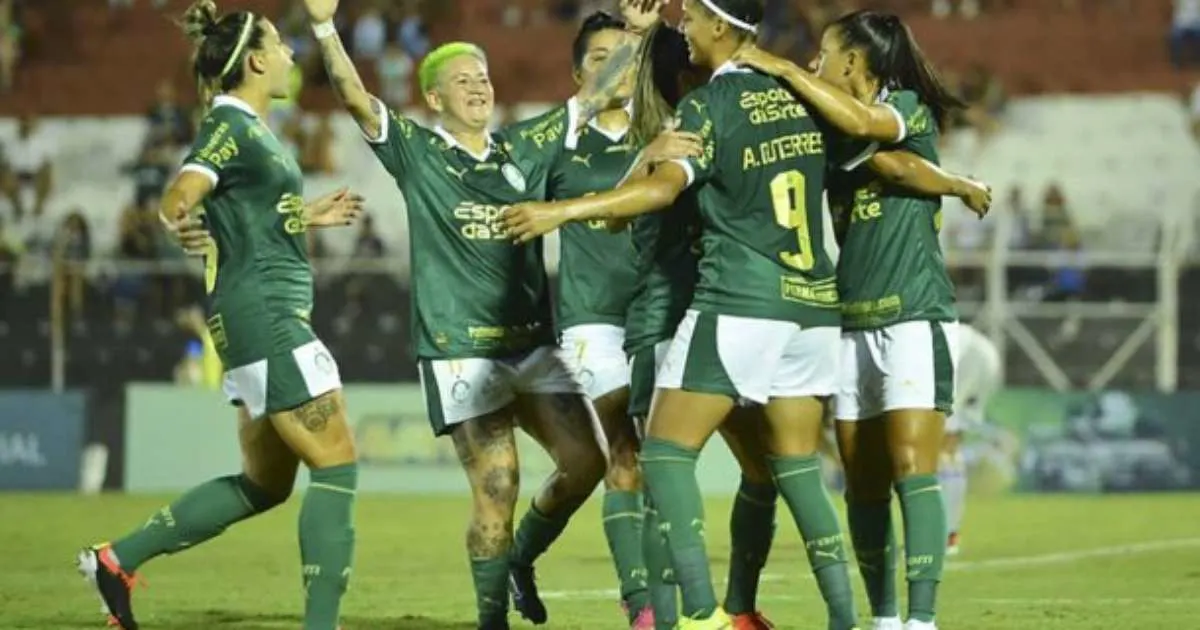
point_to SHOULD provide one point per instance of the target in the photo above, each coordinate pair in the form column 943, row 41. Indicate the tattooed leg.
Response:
column 487, row 450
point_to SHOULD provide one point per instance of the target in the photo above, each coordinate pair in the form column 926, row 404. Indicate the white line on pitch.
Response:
column 1062, row 557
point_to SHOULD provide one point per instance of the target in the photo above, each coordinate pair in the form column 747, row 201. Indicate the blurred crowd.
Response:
column 388, row 38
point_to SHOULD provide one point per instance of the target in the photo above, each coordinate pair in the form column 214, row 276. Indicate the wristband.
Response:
column 324, row 29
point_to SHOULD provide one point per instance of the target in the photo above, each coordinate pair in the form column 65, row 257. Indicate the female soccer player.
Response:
column 899, row 319
column 666, row 244
column 596, row 280
column 283, row 379
column 481, row 313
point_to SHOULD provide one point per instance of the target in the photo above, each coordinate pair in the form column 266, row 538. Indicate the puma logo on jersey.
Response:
column 585, row 160
column 457, row 173
column 699, row 106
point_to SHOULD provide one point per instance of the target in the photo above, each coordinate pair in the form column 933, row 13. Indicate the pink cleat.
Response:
column 644, row 620
column 751, row 621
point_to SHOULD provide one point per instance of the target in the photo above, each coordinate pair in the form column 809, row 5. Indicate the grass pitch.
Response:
column 1046, row 562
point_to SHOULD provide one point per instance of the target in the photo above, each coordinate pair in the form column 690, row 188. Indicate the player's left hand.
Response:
column 640, row 15
column 527, row 221
column 976, row 195
column 763, row 61
column 188, row 231
column 336, row 209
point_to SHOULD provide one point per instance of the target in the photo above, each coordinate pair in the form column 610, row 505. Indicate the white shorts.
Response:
column 457, row 390
column 909, row 365
column 750, row 359
column 595, row 354
column 284, row 381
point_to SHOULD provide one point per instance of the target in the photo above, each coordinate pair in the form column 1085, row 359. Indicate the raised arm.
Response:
column 915, row 173
column 879, row 122
column 342, row 74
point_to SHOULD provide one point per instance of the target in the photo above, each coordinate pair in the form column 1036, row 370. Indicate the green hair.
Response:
column 433, row 63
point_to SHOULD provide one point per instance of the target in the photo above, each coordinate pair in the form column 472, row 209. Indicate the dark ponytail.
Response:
column 220, row 45
column 894, row 58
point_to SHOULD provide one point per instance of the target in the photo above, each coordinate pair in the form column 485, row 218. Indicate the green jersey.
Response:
column 759, row 185
column 667, row 245
column 475, row 293
column 891, row 267
column 596, row 277
column 258, row 279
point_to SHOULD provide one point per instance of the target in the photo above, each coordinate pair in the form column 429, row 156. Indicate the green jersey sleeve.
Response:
column 694, row 115
column 536, row 143
column 915, row 118
column 918, row 128
column 398, row 141
column 215, row 151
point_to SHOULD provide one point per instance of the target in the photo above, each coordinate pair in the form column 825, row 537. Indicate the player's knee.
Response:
column 624, row 471
column 496, row 486
column 263, row 497
column 912, row 459
column 582, row 470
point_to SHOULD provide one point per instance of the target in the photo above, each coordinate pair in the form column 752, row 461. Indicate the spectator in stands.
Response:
column 317, row 156
column 1057, row 225
column 786, row 31
column 136, row 246
column 411, row 33
column 10, row 255
column 201, row 366
column 8, row 183
column 152, row 170
column 368, row 246
column 395, row 70
column 10, row 45
column 370, row 35
column 72, row 249
column 168, row 119
column 1017, row 214
column 1184, row 41
column 31, row 159
column 968, row 9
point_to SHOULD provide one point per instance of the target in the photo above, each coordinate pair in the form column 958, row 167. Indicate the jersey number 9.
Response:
column 791, row 213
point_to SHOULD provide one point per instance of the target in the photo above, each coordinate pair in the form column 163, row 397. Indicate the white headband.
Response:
column 244, row 39
column 745, row 26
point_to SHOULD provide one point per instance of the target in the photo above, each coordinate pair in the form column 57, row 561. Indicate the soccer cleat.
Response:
column 752, row 621
column 717, row 621
column 913, row 624
column 644, row 620
column 523, row 587
column 952, row 544
column 99, row 566
column 887, row 623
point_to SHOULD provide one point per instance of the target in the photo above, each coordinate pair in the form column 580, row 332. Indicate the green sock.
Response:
column 538, row 531
column 924, row 542
column 203, row 513
column 875, row 549
column 623, row 528
column 327, row 542
column 800, row 483
column 660, row 576
column 751, row 528
column 491, row 590
column 670, row 471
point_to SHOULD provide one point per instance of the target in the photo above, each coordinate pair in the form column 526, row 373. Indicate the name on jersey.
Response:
column 783, row 148
column 480, row 222
column 220, row 148
column 768, row 106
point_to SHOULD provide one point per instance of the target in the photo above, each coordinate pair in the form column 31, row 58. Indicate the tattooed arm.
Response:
column 342, row 73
